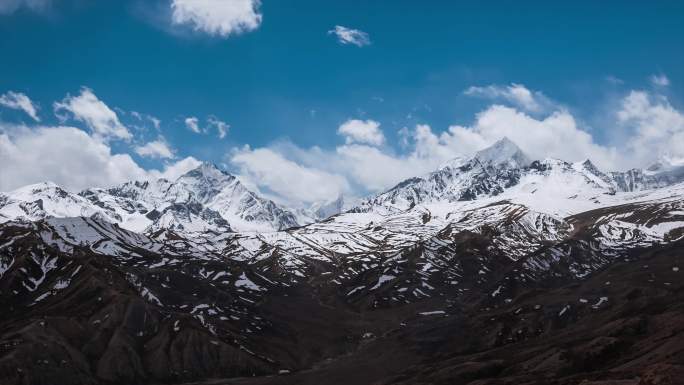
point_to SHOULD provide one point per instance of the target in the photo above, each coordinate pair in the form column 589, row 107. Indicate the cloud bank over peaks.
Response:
column 365, row 163
column 76, row 158
column 656, row 127
column 71, row 158
column 648, row 128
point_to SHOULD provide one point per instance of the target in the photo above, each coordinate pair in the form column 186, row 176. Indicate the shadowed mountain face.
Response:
column 492, row 270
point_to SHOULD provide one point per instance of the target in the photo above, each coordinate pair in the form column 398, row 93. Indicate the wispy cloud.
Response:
column 516, row 94
column 19, row 101
column 660, row 80
column 11, row 6
column 192, row 123
column 220, row 126
column 350, row 36
column 614, row 80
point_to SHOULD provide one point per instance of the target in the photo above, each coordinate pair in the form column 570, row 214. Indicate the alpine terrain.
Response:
column 493, row 269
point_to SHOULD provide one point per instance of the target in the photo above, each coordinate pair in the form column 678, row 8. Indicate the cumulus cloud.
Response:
column 19, row 101
column 660, row 80
column 155, row 149
column 65, row 155
column 657, row 127
column 291, row 181
column 557, row 135
column 192, row 123
column 220, row 126
column 350, row 36
column 373, row 169
column 517, row 94
column 173, row 170
column 362, row 131
column 87, row 108
column 69, row 157
column 217, row 17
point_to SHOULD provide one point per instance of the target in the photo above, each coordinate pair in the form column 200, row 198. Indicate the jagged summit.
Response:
column 504, row 171
column 503, row 151
column 206, row 171
column 205, row 198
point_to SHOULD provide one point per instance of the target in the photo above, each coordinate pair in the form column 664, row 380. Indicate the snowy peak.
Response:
column 488, row 173
column 206, row 174
column 203, row 199
column 205, row 182
column 503, row 171
column 42, row 200
column 503, row 152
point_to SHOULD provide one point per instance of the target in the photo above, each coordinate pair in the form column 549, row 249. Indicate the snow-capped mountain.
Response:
column 505, row 172
column 322, row 210
column 203, row 199
column 166, row 281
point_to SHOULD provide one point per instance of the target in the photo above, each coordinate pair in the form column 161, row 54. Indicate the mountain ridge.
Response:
column 210, row 199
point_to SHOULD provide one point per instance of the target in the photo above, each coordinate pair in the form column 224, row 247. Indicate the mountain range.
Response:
column 493, row 269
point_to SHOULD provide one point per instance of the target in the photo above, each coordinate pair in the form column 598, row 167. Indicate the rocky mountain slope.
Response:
column 492, row 270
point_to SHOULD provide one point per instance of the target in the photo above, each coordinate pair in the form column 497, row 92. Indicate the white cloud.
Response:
column 556, row 135
column 65, row 155
column 221, row 127
column 362, row 131
column 614, row 80
column 156, row 122
column 155, row 149
column 173, row 170
column 10, row 6
column 291, row 181
column 217, row 17
column 660, row 80
column 658, row 128
column 90, row 110
column 350, row 36
column 374, row 169
column 192, row 123
column 19, row 101
column 517, row 94
column 368, row 169
column 69, row 157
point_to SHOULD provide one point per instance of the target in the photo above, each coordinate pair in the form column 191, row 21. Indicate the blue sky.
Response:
column 285, row 83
